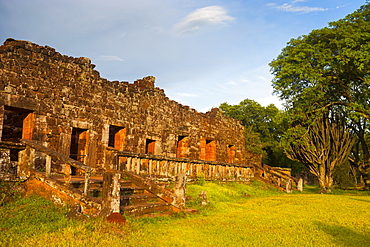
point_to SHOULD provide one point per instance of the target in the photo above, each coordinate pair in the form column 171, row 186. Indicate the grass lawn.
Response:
column 238, row 215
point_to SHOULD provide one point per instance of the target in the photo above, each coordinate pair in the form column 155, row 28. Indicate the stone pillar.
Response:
column 67, row 174
column 48, row 165
column 157, row 167
column 150, row 167
column 26, row 161
column 300, row 185
column 87, row 183
column 138, row 164
column 289, row 186
column 4, row 160
column 180, row 190
column 111, row 192
column 165, row 168
column 171, row 168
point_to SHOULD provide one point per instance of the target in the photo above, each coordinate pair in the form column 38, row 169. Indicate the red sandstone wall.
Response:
column 66, row 92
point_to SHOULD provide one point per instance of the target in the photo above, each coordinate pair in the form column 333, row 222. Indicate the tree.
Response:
column 263, row 131
column 323, row 146
column 329, row 66
column 360, row 155
column 328, row 70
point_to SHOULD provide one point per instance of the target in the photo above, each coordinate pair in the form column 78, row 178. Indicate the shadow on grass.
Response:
column 315, row 189
column 344, row 236
column 360, row 200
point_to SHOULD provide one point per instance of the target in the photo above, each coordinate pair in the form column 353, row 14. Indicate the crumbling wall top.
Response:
column 11, row 44
column 86, row 72
column 146, row 82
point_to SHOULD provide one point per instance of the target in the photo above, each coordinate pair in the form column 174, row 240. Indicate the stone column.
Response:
column 289, row 186
column 138, row 164
column 26, row 161
column 87, row 182
column 150, row 167
column 67, row 174
column 47, row 165
column 129, row 164
column 300, row 185
column 111, row 192
column 180, row 190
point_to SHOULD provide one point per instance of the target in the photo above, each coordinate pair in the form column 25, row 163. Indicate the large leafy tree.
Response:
column 328, row 70
column 264, row 128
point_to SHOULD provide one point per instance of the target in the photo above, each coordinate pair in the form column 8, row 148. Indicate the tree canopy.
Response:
column 328, row 67
column 327, row 73
column 264, row 128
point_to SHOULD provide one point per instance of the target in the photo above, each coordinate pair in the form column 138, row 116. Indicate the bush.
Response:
column 343, row 177
column 201, row 178
column 10, row 191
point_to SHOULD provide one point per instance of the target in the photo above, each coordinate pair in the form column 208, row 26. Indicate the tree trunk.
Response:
column 322, row 147
column 325, row 182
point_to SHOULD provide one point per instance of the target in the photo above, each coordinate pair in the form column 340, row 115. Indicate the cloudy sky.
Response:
column 202, row 52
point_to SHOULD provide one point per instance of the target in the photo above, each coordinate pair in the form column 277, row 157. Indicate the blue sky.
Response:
column 202, row 52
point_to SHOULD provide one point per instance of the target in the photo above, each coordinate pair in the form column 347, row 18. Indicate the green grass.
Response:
column 237, row 215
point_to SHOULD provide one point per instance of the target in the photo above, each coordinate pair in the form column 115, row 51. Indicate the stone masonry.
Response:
column 62, row 103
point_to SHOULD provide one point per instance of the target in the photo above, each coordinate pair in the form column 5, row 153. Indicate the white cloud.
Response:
column 231, row 83
column 292, row 7
column 111, row 58
column 211, row 15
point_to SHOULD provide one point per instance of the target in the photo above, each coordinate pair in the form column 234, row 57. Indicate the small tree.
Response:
column 322, row 146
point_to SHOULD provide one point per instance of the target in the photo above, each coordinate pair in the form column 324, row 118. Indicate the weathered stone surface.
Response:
column 78, row 122
column 67, row 97
column 111, row 192
column 60, row 194
column 180, row 189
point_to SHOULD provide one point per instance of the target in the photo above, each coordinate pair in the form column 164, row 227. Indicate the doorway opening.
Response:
column 230, row 153
column 210, row 150
column 78, row 149
column 207, row 150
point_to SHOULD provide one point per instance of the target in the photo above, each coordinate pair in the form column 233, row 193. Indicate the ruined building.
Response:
column 57, row 115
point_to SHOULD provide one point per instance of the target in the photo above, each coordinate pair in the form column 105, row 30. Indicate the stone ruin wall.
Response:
column 65, row 92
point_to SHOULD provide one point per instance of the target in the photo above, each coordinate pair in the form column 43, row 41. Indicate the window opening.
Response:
column 149, row 146
column 182, row 146
column 117, row 137
column 18, row 124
